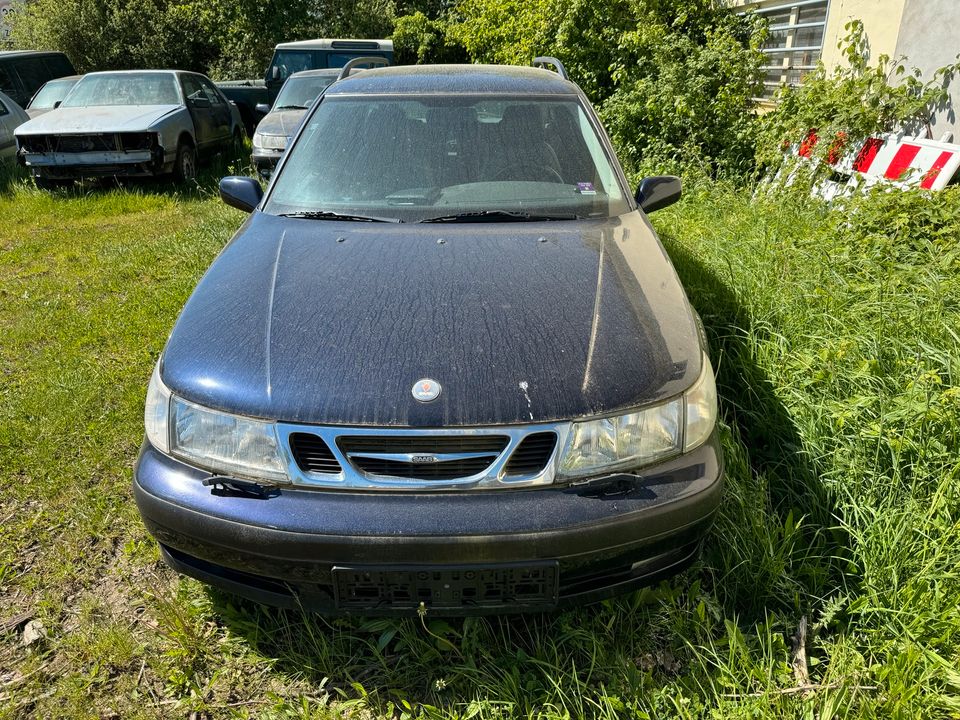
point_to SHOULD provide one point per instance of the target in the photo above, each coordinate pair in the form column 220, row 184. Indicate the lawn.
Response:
column 830, row 586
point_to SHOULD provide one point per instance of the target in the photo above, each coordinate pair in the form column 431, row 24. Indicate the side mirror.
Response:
column 262, row 108
column 275, row 72
column 200, row 102
column 57, row 104
column 242, row 193
column 657, row 192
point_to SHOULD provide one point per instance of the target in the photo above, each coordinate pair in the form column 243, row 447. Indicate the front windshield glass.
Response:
column 50, row 93
column 300, row 92
column 423, row 157
column 146, row 88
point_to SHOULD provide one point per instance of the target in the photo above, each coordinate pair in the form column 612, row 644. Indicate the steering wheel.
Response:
column 539, row 170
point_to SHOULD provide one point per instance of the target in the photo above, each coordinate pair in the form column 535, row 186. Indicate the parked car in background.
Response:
column 273, row 133
column 11, row 117
column 50, row 95
column 23, row 72
column 446, row 364
column 131, row 123
column 292, row 57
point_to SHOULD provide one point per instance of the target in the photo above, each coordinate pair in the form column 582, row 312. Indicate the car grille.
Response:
column 423, row 457
column 313, row 455
column 408, row 459
column 91, row 142
column 532, row 455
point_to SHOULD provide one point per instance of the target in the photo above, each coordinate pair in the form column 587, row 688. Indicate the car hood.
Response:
column 333, row 322
column 113, row 118
column 281, row 122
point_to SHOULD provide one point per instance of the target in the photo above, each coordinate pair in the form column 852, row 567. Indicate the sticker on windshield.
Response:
column 586, row 188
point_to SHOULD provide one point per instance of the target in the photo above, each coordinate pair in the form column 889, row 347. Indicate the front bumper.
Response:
column 602, row 537
column 73, row 165
column 265, row 161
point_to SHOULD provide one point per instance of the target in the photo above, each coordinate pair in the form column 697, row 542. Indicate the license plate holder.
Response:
column 453, row 587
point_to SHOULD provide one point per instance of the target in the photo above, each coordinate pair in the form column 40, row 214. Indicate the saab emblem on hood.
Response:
column 426, row 390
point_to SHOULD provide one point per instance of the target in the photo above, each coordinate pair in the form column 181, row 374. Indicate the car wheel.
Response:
column 185, row 166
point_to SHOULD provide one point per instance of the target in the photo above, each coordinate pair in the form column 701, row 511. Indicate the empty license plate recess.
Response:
column 451, row 587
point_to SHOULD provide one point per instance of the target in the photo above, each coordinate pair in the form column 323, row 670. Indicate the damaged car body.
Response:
column 457, row 372
column 130, row 124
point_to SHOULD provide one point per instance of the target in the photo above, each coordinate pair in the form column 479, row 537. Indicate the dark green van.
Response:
column 23, row 72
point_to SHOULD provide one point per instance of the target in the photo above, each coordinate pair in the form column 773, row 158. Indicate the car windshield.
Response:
column 51, row 92
column 449, row 158
column 146, row 88
column 300, row 92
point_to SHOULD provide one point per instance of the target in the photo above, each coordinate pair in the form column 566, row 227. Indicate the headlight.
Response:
column 701, row 408
column 645, row 436
column 156, row 413
column 269, row 142
column 220, row 442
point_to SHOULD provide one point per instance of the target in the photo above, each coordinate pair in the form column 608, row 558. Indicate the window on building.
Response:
column 794, row 43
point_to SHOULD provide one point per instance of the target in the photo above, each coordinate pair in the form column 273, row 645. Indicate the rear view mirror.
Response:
column 242, row 193
column 657, row 192
column 262, row 108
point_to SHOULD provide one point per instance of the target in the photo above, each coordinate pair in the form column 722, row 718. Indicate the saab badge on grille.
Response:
column 426, row 390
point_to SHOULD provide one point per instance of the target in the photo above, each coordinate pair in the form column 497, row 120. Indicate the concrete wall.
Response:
column 881, row 22
column 930, row 39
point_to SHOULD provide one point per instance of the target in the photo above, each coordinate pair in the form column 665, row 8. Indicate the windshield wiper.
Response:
column 290, row 107
column 499, row 216
column 331, row 215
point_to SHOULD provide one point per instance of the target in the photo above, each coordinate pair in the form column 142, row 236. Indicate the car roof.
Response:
column 26, row 53
column 136, row 72
column 323, row 72
column 337, row 44
column 64, row 78
column 455, row 79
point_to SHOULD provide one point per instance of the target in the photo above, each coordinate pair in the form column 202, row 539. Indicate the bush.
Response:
column 418, row 39
column 223, row 38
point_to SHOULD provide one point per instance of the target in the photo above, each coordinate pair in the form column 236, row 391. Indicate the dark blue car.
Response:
column 446, row 363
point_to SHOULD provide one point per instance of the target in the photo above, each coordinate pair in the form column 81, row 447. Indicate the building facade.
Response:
column 803, row 32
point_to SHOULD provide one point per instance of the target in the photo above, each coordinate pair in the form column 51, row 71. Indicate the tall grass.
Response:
column 835, row 335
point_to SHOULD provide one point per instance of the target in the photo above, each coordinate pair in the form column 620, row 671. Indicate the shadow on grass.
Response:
column 772, row 553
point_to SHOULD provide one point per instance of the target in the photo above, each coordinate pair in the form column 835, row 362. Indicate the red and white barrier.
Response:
column 894, row 160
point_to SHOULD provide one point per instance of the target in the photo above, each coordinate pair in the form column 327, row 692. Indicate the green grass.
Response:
column 835, row 336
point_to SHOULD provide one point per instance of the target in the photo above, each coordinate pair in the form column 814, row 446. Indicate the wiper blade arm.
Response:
column 331, row 215
column 290, row 107
column 500, row 216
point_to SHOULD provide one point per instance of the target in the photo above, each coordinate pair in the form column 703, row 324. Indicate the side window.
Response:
column 192, row 88
column 211, row 92
column 59, row 66
column 33, row 73
column 6, row 82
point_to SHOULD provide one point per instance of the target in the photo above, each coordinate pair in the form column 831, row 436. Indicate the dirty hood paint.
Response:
column 112, row 118
column 334, row 322
column 281, row 122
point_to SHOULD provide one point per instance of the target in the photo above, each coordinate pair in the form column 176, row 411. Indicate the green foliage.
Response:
column 225, row 38
column 418, row 39
column 853, row 101
column 673, row 80
column 247, row 30
column 116, row 34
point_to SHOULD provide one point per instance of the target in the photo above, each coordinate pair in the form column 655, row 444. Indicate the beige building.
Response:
column 803, row 32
